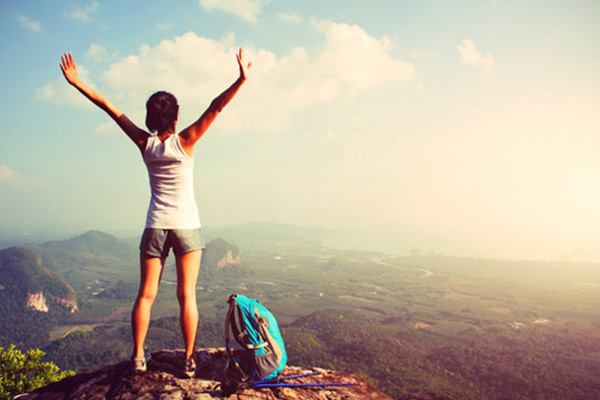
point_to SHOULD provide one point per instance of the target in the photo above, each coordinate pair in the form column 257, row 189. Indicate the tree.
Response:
column 22, row 373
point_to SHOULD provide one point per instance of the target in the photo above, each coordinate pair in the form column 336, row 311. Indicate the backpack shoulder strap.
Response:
column 263, row 329
column 233, row 325
column 235, row 321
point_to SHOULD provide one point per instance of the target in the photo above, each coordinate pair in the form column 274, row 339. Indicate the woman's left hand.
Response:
column 244, row 68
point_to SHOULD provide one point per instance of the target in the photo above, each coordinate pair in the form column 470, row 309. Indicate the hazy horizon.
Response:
column 463, row 128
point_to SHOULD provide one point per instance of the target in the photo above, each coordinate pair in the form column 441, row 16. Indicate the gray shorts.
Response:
column 158, row 242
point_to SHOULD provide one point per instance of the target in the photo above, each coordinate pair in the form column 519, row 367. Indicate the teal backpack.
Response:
column 262, row 355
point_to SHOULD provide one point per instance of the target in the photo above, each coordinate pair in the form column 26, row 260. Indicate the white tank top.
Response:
column 171, row 172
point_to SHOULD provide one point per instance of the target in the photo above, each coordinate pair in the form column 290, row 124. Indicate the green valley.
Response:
column 465, row 328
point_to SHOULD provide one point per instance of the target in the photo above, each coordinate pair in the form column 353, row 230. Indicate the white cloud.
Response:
column 469, row 55
column 197, row 69
column 83, row 14
column 290, row 17
column 33, row 26
column 9, row 176
column 190, row 66
column 61, row 92
column 359, row 60
column 245, row 9
column 333, row 137
column 99, row 53
column 108, row 128
column 165, row 26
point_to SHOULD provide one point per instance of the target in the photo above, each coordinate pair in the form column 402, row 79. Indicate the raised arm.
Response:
column 190, row 135
column 69, row 69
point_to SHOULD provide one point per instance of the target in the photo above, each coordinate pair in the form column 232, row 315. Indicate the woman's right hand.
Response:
column 69, row 69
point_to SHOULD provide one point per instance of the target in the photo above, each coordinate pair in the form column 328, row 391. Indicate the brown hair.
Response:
column 161, row 112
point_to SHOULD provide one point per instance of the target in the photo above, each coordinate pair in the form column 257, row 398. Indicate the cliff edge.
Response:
column 163, row 381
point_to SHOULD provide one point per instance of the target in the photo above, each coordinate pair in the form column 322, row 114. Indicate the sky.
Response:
column 468, row 128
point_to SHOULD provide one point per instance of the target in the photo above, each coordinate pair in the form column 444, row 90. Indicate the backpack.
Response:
column 255, row 329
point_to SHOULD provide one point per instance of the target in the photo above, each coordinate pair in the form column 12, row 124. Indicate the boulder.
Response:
column 164, row 381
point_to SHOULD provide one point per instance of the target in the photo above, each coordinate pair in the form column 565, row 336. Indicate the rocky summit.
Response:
column 164, row 381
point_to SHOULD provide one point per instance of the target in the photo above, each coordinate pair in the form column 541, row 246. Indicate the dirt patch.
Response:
column 349, row 297
column 421, row 325
column 500, row 310
column 460, row 296
column 541, row 321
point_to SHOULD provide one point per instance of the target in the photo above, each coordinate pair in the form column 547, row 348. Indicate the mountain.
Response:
column 41, row 286
column 31, row 298
column 463, row 328
column 220, row 259
column 163, row 380
column 88, row 257
column 98, row 255
column 96, row 247
column 266, row 235
column 93, row 243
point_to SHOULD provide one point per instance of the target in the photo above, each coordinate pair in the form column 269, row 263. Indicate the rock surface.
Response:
column 164, row 381
column 37, row 302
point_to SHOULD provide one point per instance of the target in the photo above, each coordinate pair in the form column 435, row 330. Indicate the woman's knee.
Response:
column 147, row 295
column 186, row 294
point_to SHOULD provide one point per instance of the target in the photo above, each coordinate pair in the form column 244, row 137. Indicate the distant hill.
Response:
column 265, row 235
column 109, row 254
column 220, row 259
column 35, row 295
column 469, row 329
column 90, row 256
column 31, row 298
column 94, row 243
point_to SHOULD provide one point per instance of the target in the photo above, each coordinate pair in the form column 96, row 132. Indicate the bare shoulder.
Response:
column 186, row 144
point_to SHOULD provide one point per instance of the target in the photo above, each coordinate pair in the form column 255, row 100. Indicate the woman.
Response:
column 172, row 220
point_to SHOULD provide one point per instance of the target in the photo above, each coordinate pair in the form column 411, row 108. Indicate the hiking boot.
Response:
column 140, row 364
column 189, row 367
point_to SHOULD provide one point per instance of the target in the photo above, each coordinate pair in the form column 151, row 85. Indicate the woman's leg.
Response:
column 188, row 266
column 151, row 273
